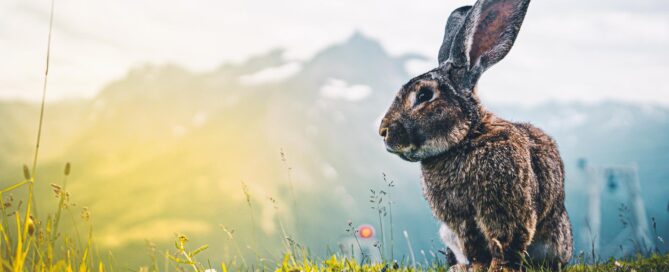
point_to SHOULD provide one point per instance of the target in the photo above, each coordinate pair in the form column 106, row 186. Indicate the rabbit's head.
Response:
column 435, row 111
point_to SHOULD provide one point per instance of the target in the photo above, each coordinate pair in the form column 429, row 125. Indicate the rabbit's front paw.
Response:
column 467, row 268
column 498, row 266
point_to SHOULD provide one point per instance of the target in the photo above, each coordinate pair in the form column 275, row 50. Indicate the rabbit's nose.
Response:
column 383, row 132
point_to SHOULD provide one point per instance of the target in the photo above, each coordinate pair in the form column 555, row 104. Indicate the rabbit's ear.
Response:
column 453, row 24
column 486, row 36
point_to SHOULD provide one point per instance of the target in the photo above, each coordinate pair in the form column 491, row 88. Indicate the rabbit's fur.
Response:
column 497, row 186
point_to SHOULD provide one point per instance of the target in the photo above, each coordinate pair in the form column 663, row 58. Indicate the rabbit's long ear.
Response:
column 453, row 24
column 486, row 36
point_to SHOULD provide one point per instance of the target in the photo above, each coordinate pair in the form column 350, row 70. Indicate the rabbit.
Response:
column 497, row 186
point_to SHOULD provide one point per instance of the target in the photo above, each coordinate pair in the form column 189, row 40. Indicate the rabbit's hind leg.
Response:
column 552, row 243
column 452, row 242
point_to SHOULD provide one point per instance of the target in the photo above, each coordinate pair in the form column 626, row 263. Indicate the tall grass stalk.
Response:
column 354, row 232
column 377, row 204
column 390, row 184
column 230, row 233
column 24, row 233
column 247, row 195
column 61, row 193
column 383, row 236
column 413, row 256
column 291, row 187
column 31, row 197
column 285, row 238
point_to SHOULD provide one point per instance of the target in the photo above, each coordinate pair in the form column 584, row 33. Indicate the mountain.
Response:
column 272, row 144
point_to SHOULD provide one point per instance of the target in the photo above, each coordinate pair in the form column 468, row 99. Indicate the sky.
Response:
column 568, row 50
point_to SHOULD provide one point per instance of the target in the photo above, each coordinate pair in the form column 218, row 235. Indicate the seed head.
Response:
column 56, row 189
column 86, row 214
column 246, row 193
column 180, row 243
column 26, row 172
column 31, row 225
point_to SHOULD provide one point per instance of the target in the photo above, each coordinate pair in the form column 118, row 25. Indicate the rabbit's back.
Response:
column 552, row 244
column 547, row 167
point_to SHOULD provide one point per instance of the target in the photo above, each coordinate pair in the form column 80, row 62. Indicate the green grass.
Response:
column 655, row 263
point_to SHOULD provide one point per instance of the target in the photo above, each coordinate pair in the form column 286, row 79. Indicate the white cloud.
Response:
column 272, row 74
column 339, row 89
column 417, row 67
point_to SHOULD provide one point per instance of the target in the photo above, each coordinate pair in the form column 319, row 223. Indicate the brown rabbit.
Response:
column 497, row 186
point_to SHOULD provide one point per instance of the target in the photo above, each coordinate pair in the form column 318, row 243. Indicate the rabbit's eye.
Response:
column 423, row 95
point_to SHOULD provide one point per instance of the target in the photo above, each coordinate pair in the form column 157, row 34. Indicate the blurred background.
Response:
column 241, row 122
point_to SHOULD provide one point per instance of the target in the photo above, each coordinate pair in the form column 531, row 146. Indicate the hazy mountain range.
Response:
column 166, row 150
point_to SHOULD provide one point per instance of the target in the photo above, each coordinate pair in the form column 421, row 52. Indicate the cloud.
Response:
column 417, row 67
column 568, row 50
column 272, row 74
column 339, row 89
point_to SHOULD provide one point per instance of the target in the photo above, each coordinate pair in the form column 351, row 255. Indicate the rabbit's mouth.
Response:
column 407, row 153
column 409, row 157
column 421, row 150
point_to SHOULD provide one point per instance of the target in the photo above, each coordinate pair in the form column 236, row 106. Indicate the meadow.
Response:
column 33, row 243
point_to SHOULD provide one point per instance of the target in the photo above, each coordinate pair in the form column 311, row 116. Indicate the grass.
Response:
column 28, row 243
column 655, row 263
